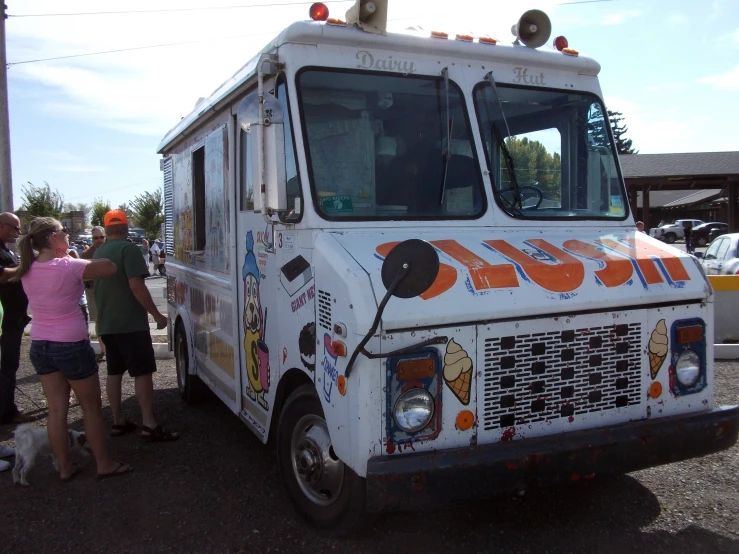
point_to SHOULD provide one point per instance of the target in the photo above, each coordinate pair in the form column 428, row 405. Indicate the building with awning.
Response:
column 700, row 185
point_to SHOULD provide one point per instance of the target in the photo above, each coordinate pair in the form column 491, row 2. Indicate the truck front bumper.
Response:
column 411, row 481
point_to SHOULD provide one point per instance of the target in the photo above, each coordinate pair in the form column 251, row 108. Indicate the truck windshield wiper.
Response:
column 449, row 122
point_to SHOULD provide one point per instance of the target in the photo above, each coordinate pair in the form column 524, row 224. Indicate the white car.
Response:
column 721, row 256
column 673, row 231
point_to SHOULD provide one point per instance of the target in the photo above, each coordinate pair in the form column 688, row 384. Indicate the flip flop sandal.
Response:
column 158, row 434
column 120, row 429
column 121, row 469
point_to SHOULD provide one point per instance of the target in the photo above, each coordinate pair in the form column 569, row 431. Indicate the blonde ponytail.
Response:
column 38, row 237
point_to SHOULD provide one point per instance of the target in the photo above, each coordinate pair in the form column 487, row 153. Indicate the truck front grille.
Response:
column 537, row 377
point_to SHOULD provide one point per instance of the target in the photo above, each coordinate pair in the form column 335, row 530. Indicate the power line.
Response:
column 10, row 64
column 243, row 6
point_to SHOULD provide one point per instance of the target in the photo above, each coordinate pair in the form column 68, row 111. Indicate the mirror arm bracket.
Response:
column 376, row 323
column 427, row 342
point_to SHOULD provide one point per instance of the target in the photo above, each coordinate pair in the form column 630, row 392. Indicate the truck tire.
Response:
column 326, row 493
column 701, row 241
column 670, row 238
column 192, row 389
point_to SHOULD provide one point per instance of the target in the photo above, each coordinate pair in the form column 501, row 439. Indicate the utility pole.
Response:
column 6, row 182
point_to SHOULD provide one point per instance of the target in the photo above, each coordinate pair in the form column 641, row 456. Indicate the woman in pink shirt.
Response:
column 61, row 352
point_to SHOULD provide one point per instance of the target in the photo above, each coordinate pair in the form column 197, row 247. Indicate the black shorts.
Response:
column 130, row 351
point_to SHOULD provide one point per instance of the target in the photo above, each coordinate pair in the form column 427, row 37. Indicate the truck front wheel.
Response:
column 326, row 492
column 670, row 238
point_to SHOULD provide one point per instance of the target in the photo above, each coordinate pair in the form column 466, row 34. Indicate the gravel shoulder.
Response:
column 216, row 490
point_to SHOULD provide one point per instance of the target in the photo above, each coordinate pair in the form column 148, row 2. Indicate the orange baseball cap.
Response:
column 115, row 217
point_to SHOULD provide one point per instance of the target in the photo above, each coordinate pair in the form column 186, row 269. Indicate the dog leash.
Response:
column 40, row 408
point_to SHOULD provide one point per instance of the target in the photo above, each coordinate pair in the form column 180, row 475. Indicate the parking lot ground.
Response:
column 217, row 490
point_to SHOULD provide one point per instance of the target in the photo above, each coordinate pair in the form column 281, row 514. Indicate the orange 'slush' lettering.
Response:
column 617, row 270
column 642, row 253
column 565, row 276
column 483, row 275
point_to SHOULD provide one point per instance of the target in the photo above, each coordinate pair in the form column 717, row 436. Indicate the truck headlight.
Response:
column 413, row 410
column 688, row 368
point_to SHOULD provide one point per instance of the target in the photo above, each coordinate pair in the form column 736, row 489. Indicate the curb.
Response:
column 726, row 351
column 161, row 350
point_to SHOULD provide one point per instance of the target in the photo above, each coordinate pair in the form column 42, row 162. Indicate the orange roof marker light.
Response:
column 465, row 38
column 570, row 52
column 334, row 21
column 319, row 12
column 487, row 40
column 439, row 34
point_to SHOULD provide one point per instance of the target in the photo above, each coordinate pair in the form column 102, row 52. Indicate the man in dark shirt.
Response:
column 15, row 306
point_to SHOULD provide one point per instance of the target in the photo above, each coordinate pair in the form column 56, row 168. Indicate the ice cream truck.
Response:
column 410, row 262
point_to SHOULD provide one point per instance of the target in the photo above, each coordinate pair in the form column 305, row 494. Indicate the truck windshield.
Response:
column 549, row 153
column 377, row 147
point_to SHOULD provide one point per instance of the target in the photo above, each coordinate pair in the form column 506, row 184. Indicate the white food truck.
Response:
column 411, row 262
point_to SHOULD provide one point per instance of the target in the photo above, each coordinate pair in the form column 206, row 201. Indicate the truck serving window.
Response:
column 549, row 153
column 377, row 147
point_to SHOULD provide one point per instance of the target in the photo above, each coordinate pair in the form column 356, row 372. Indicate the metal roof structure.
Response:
column 681, row 180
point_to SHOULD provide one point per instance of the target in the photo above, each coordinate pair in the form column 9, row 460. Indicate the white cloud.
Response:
column 621, row 17
column 78, row 168
column 656, row 128
column 727, row 81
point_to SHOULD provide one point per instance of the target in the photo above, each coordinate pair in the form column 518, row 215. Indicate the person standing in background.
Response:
column 147, row 255
column 15, row 306
column 98, row 238
column 154, row 251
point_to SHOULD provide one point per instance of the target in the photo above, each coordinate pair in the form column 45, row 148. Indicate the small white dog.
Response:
column 31, row 442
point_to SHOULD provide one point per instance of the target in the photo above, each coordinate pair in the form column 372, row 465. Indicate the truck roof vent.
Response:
column 324, row 309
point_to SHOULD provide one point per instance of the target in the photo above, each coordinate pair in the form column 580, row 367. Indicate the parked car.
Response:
column 721, row 256
column 704, row 234
column 673, row 231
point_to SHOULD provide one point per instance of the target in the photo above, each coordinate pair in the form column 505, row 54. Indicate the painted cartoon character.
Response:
column 255, row 349
column 307, row 346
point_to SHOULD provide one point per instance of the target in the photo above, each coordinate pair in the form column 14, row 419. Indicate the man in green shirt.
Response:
column 123, row 302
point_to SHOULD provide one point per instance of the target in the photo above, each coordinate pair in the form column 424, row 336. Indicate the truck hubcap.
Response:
column 318, row 471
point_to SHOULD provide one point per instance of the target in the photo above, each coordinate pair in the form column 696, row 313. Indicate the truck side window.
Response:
column 292, row 175
column 246, row 194
column 198, row 196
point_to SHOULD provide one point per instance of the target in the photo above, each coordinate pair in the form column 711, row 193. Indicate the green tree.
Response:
column 535, row 166
column 126, row 208
column 41, row 201
column 148, row 212
column 99, row 209
column 619, row 129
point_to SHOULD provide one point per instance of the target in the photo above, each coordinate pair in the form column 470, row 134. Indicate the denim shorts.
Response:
column 76, row 360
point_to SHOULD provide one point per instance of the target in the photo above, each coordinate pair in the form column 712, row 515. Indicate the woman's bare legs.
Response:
column 56, row 389
column 87, row 392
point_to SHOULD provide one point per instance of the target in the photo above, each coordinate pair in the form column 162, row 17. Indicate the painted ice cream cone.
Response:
column 458, row 371
column 658, row 346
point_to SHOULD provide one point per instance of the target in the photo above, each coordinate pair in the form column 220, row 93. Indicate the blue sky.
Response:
column 89, row 126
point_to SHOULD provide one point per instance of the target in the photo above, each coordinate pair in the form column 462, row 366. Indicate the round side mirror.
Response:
column 422, row 268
